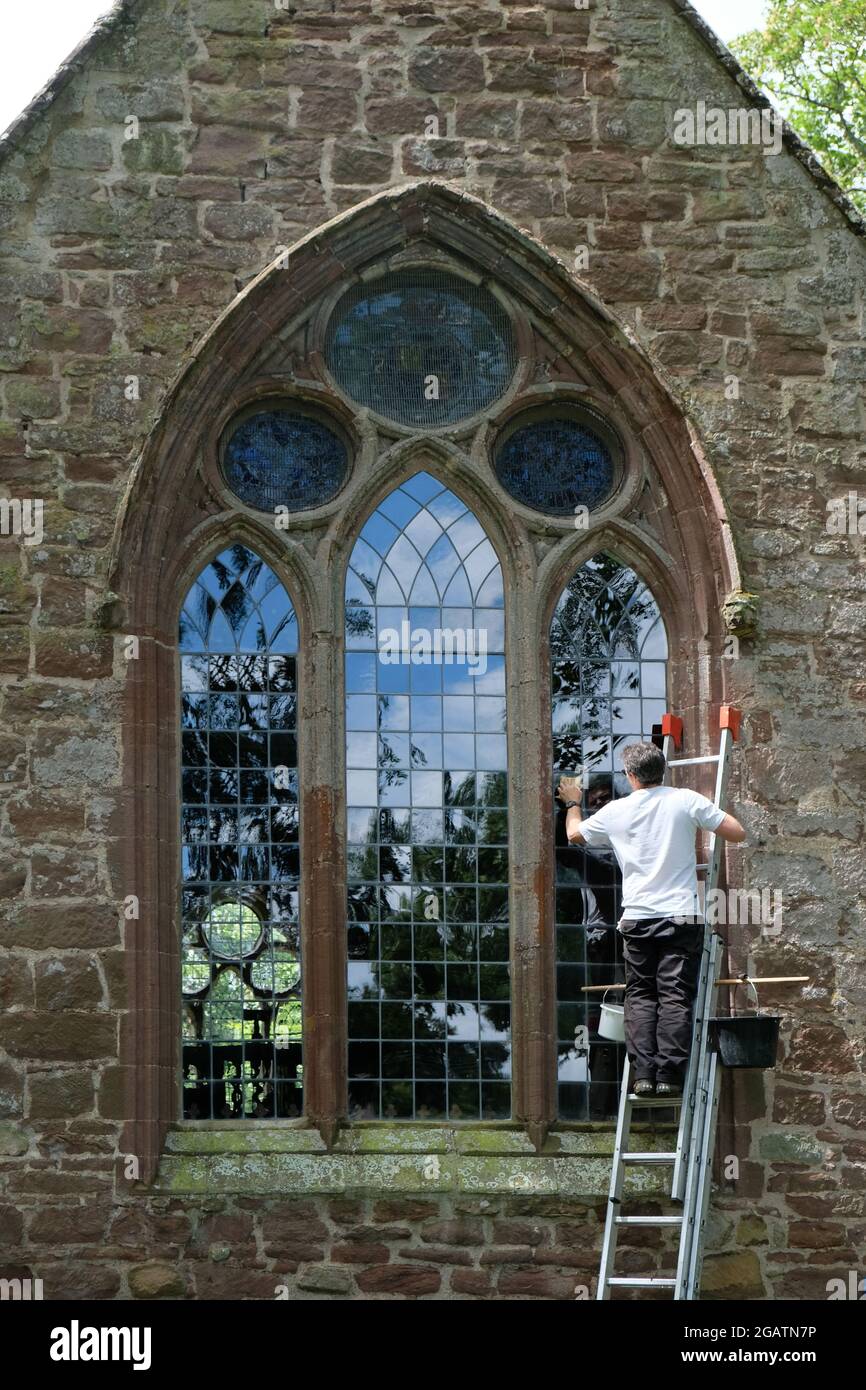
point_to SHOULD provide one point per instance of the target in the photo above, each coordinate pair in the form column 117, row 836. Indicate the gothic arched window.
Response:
column 608, row 654
column 428, row 939
column 240, row 957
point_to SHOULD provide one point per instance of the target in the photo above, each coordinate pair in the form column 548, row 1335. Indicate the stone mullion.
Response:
column 532, row 968
column 323, row 872
column 147, row 869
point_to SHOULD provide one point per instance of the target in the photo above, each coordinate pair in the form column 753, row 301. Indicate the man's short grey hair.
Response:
column 645, row 762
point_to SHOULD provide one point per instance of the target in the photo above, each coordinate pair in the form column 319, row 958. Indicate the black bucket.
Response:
column 747, row 1040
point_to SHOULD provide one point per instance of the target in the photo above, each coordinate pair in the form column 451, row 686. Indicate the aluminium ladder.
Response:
column 691, row 1161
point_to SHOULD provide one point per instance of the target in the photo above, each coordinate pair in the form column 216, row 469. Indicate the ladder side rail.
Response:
column 698, row 1178
column 714, row 856
column 704, row 1182
column 673, row 738
column 692, row 1080
column 617, row 1177
column 696, row 1157
column 703, row 1005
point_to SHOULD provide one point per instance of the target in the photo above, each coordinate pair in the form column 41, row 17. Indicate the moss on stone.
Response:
column 785, row 1147
column 156, row 151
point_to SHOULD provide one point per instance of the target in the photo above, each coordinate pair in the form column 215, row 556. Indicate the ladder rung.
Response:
column 648, row 1158
column 636, row 1283
column 648, row 1220
column 659, row 1102
column 693, row 762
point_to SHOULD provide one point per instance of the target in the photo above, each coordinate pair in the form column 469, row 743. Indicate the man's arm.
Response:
column 570, row 790
column 731, row 830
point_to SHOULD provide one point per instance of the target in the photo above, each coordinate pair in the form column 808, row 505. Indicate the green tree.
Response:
column 810, row 57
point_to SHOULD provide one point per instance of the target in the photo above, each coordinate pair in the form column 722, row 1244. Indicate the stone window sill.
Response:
column 376, row 1156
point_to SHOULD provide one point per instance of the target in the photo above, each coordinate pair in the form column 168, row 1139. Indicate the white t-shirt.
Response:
column 652, row 833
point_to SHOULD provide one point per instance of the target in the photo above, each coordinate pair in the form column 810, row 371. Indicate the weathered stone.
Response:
column 70, row 330
column 356, row 163
column 82, row 1037
column 156, row 1280
column 36, row 398
column 82, row 149
column 60, row 1095
column 11, row 1090
column 787, row 1147
column 410, row 1281
column 57, row 1225
column 73, row 652
column 48, row 926
column 16, row 983
column 732, row 1275
column 67, row 982
column 14, row 1140
column 446, row 70
column 325, row 1279
column 229, row 150
column 243, row 222
column 752, row 1230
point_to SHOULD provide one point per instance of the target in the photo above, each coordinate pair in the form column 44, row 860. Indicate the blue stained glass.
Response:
column 556, row 465
column 284, row 458
column 421, row 347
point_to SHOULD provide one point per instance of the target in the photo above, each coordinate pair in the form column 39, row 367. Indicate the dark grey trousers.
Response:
column 662, row 965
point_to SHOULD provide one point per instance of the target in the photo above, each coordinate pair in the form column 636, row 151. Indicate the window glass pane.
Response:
column 559, row 463
column 423, row 348
column 283, row 458
column 428, row 941
column 240, row 953
column 608, row 645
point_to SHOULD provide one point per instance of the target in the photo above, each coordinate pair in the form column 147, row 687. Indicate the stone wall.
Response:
column 255, row 126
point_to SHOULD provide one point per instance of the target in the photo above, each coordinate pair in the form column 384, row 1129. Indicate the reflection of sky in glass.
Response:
column 240, row 854
column 428, row 943
column 608, row 653
column 238, row 605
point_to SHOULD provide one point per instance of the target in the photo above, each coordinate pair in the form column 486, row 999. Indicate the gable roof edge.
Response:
column 71, row 64
column 123, row 9
column 797, row 146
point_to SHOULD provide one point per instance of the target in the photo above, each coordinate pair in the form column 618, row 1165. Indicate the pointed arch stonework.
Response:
column 176, row 512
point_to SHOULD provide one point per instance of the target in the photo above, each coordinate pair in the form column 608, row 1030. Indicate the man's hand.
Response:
column 569, row 789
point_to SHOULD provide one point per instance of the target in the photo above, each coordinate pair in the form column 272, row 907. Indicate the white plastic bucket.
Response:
column 611, row 1025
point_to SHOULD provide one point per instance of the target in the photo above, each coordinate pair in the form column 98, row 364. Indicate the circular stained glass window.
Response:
column 284, row 458
column 557, row 463
column 421, row 347
column 232, row 930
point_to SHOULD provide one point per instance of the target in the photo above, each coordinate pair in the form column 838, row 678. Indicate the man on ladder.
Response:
column 652, row 834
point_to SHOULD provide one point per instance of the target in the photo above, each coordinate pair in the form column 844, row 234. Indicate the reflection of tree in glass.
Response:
column 390, row 772
column 605, row 614
column 359, row 621
column 232, row 930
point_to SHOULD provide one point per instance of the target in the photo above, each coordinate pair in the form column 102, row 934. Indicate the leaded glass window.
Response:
column 240, row 955
column 557, row 463
column 421, row 347
column 608, row 653
column 284, row 458
column 428, row 942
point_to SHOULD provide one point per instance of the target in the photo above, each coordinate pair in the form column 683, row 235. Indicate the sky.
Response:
column 35, row 38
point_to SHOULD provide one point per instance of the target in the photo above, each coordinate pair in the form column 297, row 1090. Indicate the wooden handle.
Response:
column 740, row 980
column 767, row 980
